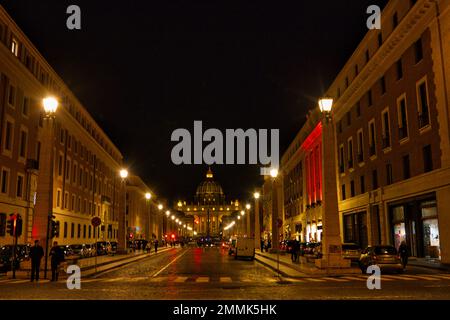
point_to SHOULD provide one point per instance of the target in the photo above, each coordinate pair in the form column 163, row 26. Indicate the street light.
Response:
column 123, row 173
column 167, row 213
column 325, row 104
column 256, row 195
column 160, row 206
column 173, row 217
column 274, row 173
column 148, row 196
column 248, row 206
column 242, row 212
column 50, row 105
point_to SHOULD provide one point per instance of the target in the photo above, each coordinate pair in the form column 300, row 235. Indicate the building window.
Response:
column 360, row 146
column 394, row 20
column 84, row 231
column 352, row 188
column 358, row 109
column 74, row 173
column 388, row 174
column 343, row 192
column 418, row 50
column 406, row 167
column 402, row 118
column 350, row 152
column 26, row 106
column 79, row 231
column 369, row 98
column 65, row 229
column 19, row 191
column 349, row 118
column 341, row 159
column 15, row 47
column 60, row 165
column 383, row 85
column 68, row 165
column 372, row 138
column 399, row 67
column 374, row 179
column 386, row 130
column 89, row 232
column 9, row 134
column 66, row 200
column 362, row 184
column 23, row 144
column 12, row 96
column 72, row 203
column 427, row 158
column 72, row 230
column 422, row 104
column 58, row 198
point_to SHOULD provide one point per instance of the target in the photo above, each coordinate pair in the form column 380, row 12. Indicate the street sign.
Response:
column 96, row 221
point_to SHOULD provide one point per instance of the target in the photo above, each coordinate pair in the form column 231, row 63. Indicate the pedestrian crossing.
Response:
column 199, row 279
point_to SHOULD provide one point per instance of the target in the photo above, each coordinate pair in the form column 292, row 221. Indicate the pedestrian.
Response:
column 403, row 252
column 262, row 245
column 269, row 245
column 57, row 255
column 156, row 245
column 149, row 247
column 294, row 251
column 36, row 254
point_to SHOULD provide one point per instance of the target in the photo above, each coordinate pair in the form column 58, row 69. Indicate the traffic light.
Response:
column 10, row 224
column 54, row 228
column 19, row 223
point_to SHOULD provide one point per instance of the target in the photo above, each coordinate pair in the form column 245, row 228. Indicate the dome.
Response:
column 209, row 190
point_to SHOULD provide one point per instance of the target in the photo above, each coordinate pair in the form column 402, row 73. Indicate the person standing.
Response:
column 36, row 254
column 57, row 255
column 403, row 252
column 262, row 245
column 156, row 245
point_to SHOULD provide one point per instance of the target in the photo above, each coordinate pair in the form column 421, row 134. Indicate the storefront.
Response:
column 355, row 228
column 415, row 221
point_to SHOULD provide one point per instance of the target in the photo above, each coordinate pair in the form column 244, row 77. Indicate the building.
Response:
column 210, row 212
column 391, row 123
column 143, row 219
column 67, row 165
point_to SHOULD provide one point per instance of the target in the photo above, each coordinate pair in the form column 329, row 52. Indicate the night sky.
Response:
column 146, row 68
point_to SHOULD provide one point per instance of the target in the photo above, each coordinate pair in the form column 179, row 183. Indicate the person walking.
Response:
column 57, row 256
column 156, row 245
column 403, row 252
column 262, row 245
column 36, row 254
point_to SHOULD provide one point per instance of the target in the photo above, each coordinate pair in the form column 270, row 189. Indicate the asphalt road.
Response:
column 210, row 274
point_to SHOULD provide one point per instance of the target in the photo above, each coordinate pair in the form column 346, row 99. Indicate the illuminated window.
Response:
column 15, row 47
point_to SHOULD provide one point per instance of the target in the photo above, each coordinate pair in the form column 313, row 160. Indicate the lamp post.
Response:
column 275, row 238
column 257, row 230
column 148, row 196
column 50, row 106
column 123, row 173
column 331, row 239
column 248, row 220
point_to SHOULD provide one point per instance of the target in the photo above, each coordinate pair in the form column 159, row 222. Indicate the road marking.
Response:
column 167, row 265
column 202, row 279
column 115, row 279
column 314, row 280
column 355, row 278
column 442, row 276
column 90, row 280
column 181, row 279
column 335, row 279
column 136, row 279
column 423, row 277
column 398, row 278
column 21, row 281
column 225, row 279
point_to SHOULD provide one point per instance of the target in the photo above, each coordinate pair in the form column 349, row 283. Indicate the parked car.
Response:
column 79, row 250
column 386, row 257
column 311, row 248
column 114, row 245
column 89, row 250
column 351, row 251
column 245, row 247
column 103, row 248
column 6, row 258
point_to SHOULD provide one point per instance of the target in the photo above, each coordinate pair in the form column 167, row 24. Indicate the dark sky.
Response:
column 146, row 68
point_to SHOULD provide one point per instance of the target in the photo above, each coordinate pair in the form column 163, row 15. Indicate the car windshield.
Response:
column 385, row 250
column 350, row 247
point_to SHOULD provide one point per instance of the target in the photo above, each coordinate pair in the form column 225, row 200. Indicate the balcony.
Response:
column 372, row 149
column 402, row 132
column 424, row 120
column 386, row 141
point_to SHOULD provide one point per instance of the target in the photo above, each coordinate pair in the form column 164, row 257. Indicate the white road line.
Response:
column 167, row 265
column 180, row 279
column 335, row 279
column 442, row 276
column 314, row 280
column 407, row 278
column 225, row 279
column 354, row 278
column 423, row 277
column 202, row 279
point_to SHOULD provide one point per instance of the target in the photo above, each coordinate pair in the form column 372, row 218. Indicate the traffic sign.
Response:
column 96, row 221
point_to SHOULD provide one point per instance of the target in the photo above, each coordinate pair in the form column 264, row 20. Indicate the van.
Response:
column 245, row 247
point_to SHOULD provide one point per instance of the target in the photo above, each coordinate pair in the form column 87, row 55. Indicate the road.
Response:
column 210, row 274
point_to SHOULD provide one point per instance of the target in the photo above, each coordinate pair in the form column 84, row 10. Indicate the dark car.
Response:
column 6, row 258
column 351, row 251
column 386, row 257
column 114, row 247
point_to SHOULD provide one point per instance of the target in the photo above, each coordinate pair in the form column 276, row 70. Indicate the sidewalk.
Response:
column 427, row 263
column 88, row 265
column 300, row 269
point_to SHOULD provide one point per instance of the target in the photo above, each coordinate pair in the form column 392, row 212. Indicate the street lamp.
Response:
column 160, row 206
column 50, row 105
column 242, row 212
column 257, row 230
column 123, row 173
column 325, row 104
column 148, row 196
